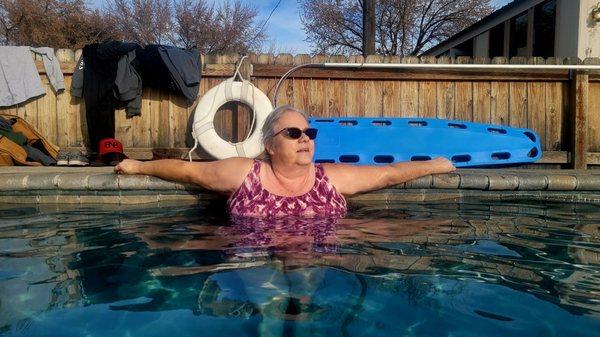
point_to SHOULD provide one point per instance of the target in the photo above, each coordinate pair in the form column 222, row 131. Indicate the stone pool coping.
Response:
column 98, row 185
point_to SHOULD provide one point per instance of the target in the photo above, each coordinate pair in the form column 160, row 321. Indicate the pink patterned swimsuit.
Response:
column 251, row 199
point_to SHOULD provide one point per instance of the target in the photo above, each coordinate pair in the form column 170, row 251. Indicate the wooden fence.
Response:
column 563, row 107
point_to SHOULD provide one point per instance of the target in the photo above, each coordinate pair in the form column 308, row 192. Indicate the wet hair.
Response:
column 268, row 129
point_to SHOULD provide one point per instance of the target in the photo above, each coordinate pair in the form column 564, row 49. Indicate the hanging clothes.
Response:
column 112, row 74
column 184, row 68
column 19, row 77
column 52, row 66
column 128, row 84
column 94, row 79
column 171, row 68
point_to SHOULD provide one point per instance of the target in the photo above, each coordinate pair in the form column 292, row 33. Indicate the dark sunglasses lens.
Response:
column 294, row 133
column 311, row 133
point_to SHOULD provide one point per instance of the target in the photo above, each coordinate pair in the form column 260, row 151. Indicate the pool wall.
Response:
column 30, row 185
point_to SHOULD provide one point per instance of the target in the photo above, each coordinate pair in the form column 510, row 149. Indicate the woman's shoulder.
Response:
column 240, row 164
column 228, row 174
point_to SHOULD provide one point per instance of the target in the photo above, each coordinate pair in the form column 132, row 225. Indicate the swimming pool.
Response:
column 439, row 269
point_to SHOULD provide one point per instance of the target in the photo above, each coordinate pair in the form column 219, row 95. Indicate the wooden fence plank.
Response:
column 178, row 119
column 63, row 117
column 181, row 112
column 594, row 117
column 536, row 109
column 390, row 92
column 373, row 92
column 355, row 93
column 164, row 122
column 355, row 101
column 428, row 93
column 500, row 98
column 463, row 99
column 286, row 91
column 445, row 95
column 65, row 55
column 31, row 111
column 224, row 115
column 244, row 113
column 555, row 116
column 11, row 110
column 266, row 85
column 77, row 136
column 46, row 106
column 482, row 96
column 336, row 92
column 536, row 105
column 518, row 99
column 593, row 110
column 373, row 96
column 445, row 100
column 518, row 105
column 317, row 102
column 21, row 110
column 482, row 92
column 301, row 86
column 154, row 103
column 124, row 127
column 143, row 123
column 409, row 91
column 50, row 101
column 579, row 115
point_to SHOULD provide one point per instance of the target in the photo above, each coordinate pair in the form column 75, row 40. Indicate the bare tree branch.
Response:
column 404, row 27
column 53, row 23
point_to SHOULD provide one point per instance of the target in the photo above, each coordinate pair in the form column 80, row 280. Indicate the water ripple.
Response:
column 434, row 258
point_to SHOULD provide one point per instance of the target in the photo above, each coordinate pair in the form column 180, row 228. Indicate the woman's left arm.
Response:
column 354, row 179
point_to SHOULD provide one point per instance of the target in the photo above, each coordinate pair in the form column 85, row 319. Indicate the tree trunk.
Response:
column 368, row 27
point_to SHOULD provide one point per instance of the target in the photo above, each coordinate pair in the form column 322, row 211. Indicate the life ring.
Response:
column 203, row 129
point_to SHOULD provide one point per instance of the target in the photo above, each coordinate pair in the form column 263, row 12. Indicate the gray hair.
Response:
column 268, row 129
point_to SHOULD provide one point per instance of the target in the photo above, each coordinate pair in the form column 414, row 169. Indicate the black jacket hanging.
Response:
column 171, row 68
column 98, row 64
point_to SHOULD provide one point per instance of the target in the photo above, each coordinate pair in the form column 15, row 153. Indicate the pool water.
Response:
column 468, row 269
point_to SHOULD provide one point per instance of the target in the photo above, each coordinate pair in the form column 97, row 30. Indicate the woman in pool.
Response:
column 287, row 182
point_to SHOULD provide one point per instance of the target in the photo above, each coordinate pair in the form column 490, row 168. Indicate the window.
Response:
column 518, row 35
column 544, row 23
column 463, row 49
column 497, row 41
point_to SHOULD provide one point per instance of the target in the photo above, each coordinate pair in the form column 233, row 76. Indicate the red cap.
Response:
column 110, row 145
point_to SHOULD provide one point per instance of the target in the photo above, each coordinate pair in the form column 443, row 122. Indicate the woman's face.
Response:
column 284, row 149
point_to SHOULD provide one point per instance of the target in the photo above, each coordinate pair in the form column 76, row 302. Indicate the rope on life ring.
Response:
column 203, row 129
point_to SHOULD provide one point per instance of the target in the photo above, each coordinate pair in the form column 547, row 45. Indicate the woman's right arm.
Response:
column 222, row 175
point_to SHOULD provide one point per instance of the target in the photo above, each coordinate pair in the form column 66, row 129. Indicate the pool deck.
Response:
column 99, row 185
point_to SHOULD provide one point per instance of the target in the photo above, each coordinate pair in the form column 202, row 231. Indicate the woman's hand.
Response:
column 441, row 165
column 128, row 166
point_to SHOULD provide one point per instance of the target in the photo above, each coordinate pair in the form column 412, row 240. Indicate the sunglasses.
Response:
column 295, row 133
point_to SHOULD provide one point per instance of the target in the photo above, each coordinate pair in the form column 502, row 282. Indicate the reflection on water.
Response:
column 470, row 269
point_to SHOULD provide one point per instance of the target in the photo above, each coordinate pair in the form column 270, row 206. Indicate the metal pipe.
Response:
column 463, row 66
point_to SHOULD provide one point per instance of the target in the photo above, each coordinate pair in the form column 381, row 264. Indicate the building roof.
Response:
column 488, row 22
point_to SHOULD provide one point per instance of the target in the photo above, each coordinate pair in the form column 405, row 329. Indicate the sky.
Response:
column 284, row 29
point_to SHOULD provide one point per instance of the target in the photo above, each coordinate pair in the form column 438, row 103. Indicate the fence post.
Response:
column 578, row 106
